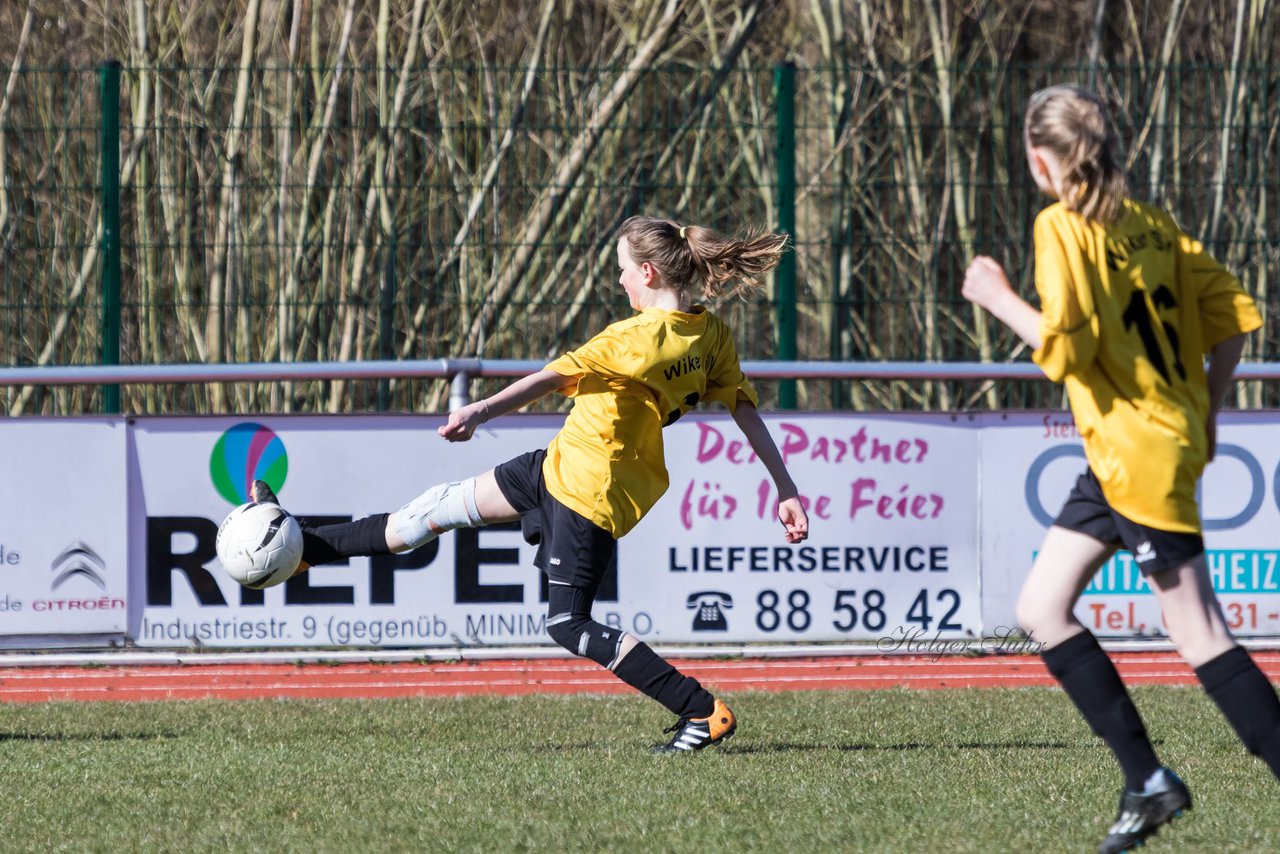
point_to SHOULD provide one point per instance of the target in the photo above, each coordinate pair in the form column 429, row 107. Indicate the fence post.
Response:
column 785, row 276
column 387, row 317
column 109, row 91
column 459, row 390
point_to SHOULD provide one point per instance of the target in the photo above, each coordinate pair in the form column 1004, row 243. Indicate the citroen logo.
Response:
column 78, row 559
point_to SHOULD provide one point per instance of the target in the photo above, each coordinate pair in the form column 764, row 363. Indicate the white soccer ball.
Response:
column 259, row 545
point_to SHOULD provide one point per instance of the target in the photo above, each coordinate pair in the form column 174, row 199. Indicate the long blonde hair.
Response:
column 699, row 261
column 1073, row 124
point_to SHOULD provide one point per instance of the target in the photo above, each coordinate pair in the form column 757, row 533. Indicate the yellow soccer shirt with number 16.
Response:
column 1128, row 313
column 634, row 378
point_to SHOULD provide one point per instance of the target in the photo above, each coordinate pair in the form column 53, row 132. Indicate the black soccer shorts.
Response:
column 571, row 548
column 1088, row 512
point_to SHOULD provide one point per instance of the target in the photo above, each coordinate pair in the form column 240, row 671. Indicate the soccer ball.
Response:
column 259, row 545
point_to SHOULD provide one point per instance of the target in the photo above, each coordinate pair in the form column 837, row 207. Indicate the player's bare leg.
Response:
column 1152, row 794
column 1066, row 561
column 1192, row 613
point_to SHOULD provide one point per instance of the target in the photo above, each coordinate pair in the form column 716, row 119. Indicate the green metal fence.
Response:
column 308, row 213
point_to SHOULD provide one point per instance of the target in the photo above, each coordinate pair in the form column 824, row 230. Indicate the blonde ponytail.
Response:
column 1073, row 124
column 701, row 261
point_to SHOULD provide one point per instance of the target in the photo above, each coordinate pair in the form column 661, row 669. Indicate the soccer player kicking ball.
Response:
column 605, row 468
column 1130, row 308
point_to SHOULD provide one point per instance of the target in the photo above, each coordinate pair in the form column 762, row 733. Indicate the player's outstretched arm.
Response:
column 463, row 422
column 790, row 511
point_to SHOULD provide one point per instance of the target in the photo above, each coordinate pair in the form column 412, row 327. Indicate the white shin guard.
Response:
column 446, row 505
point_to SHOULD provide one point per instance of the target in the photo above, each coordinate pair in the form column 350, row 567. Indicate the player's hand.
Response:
column 794, row 519
column 463, row 422
column 985, row 282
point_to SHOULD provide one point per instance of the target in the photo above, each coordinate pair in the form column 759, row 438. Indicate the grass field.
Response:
column 947, row 771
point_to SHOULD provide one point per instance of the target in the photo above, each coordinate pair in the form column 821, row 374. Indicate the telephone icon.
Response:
column 710, row 606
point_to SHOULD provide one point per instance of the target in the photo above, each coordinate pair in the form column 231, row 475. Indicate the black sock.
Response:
column 1247, row 700
column 329, row 543
column 649, row 673
column 1090, row 679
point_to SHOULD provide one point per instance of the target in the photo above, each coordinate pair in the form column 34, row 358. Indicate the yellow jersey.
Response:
column 634, row 378
column 1128, row 313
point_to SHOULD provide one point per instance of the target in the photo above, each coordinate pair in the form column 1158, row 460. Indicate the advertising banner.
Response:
column 63, row 529
column 477, row 586
column 893, row 551
column 923, row 528
column 1030, row 462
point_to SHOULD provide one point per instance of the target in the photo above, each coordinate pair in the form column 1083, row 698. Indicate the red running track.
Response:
column 556, row 676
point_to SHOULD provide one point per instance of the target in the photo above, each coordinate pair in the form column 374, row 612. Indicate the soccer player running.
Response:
column 1130, row 309
column 605, row 469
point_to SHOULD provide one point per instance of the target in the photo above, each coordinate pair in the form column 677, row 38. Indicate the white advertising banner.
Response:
column 1030, row 462
column 892, row 556
column 63, row 528
column 892, row 553
column 477, row 586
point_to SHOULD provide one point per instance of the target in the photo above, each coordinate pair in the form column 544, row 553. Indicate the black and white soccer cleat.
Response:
column 1142, row 814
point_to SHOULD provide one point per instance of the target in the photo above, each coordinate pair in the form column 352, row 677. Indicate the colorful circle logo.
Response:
column 245, row 453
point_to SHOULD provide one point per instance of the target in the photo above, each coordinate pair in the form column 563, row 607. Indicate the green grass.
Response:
column 946, row 771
